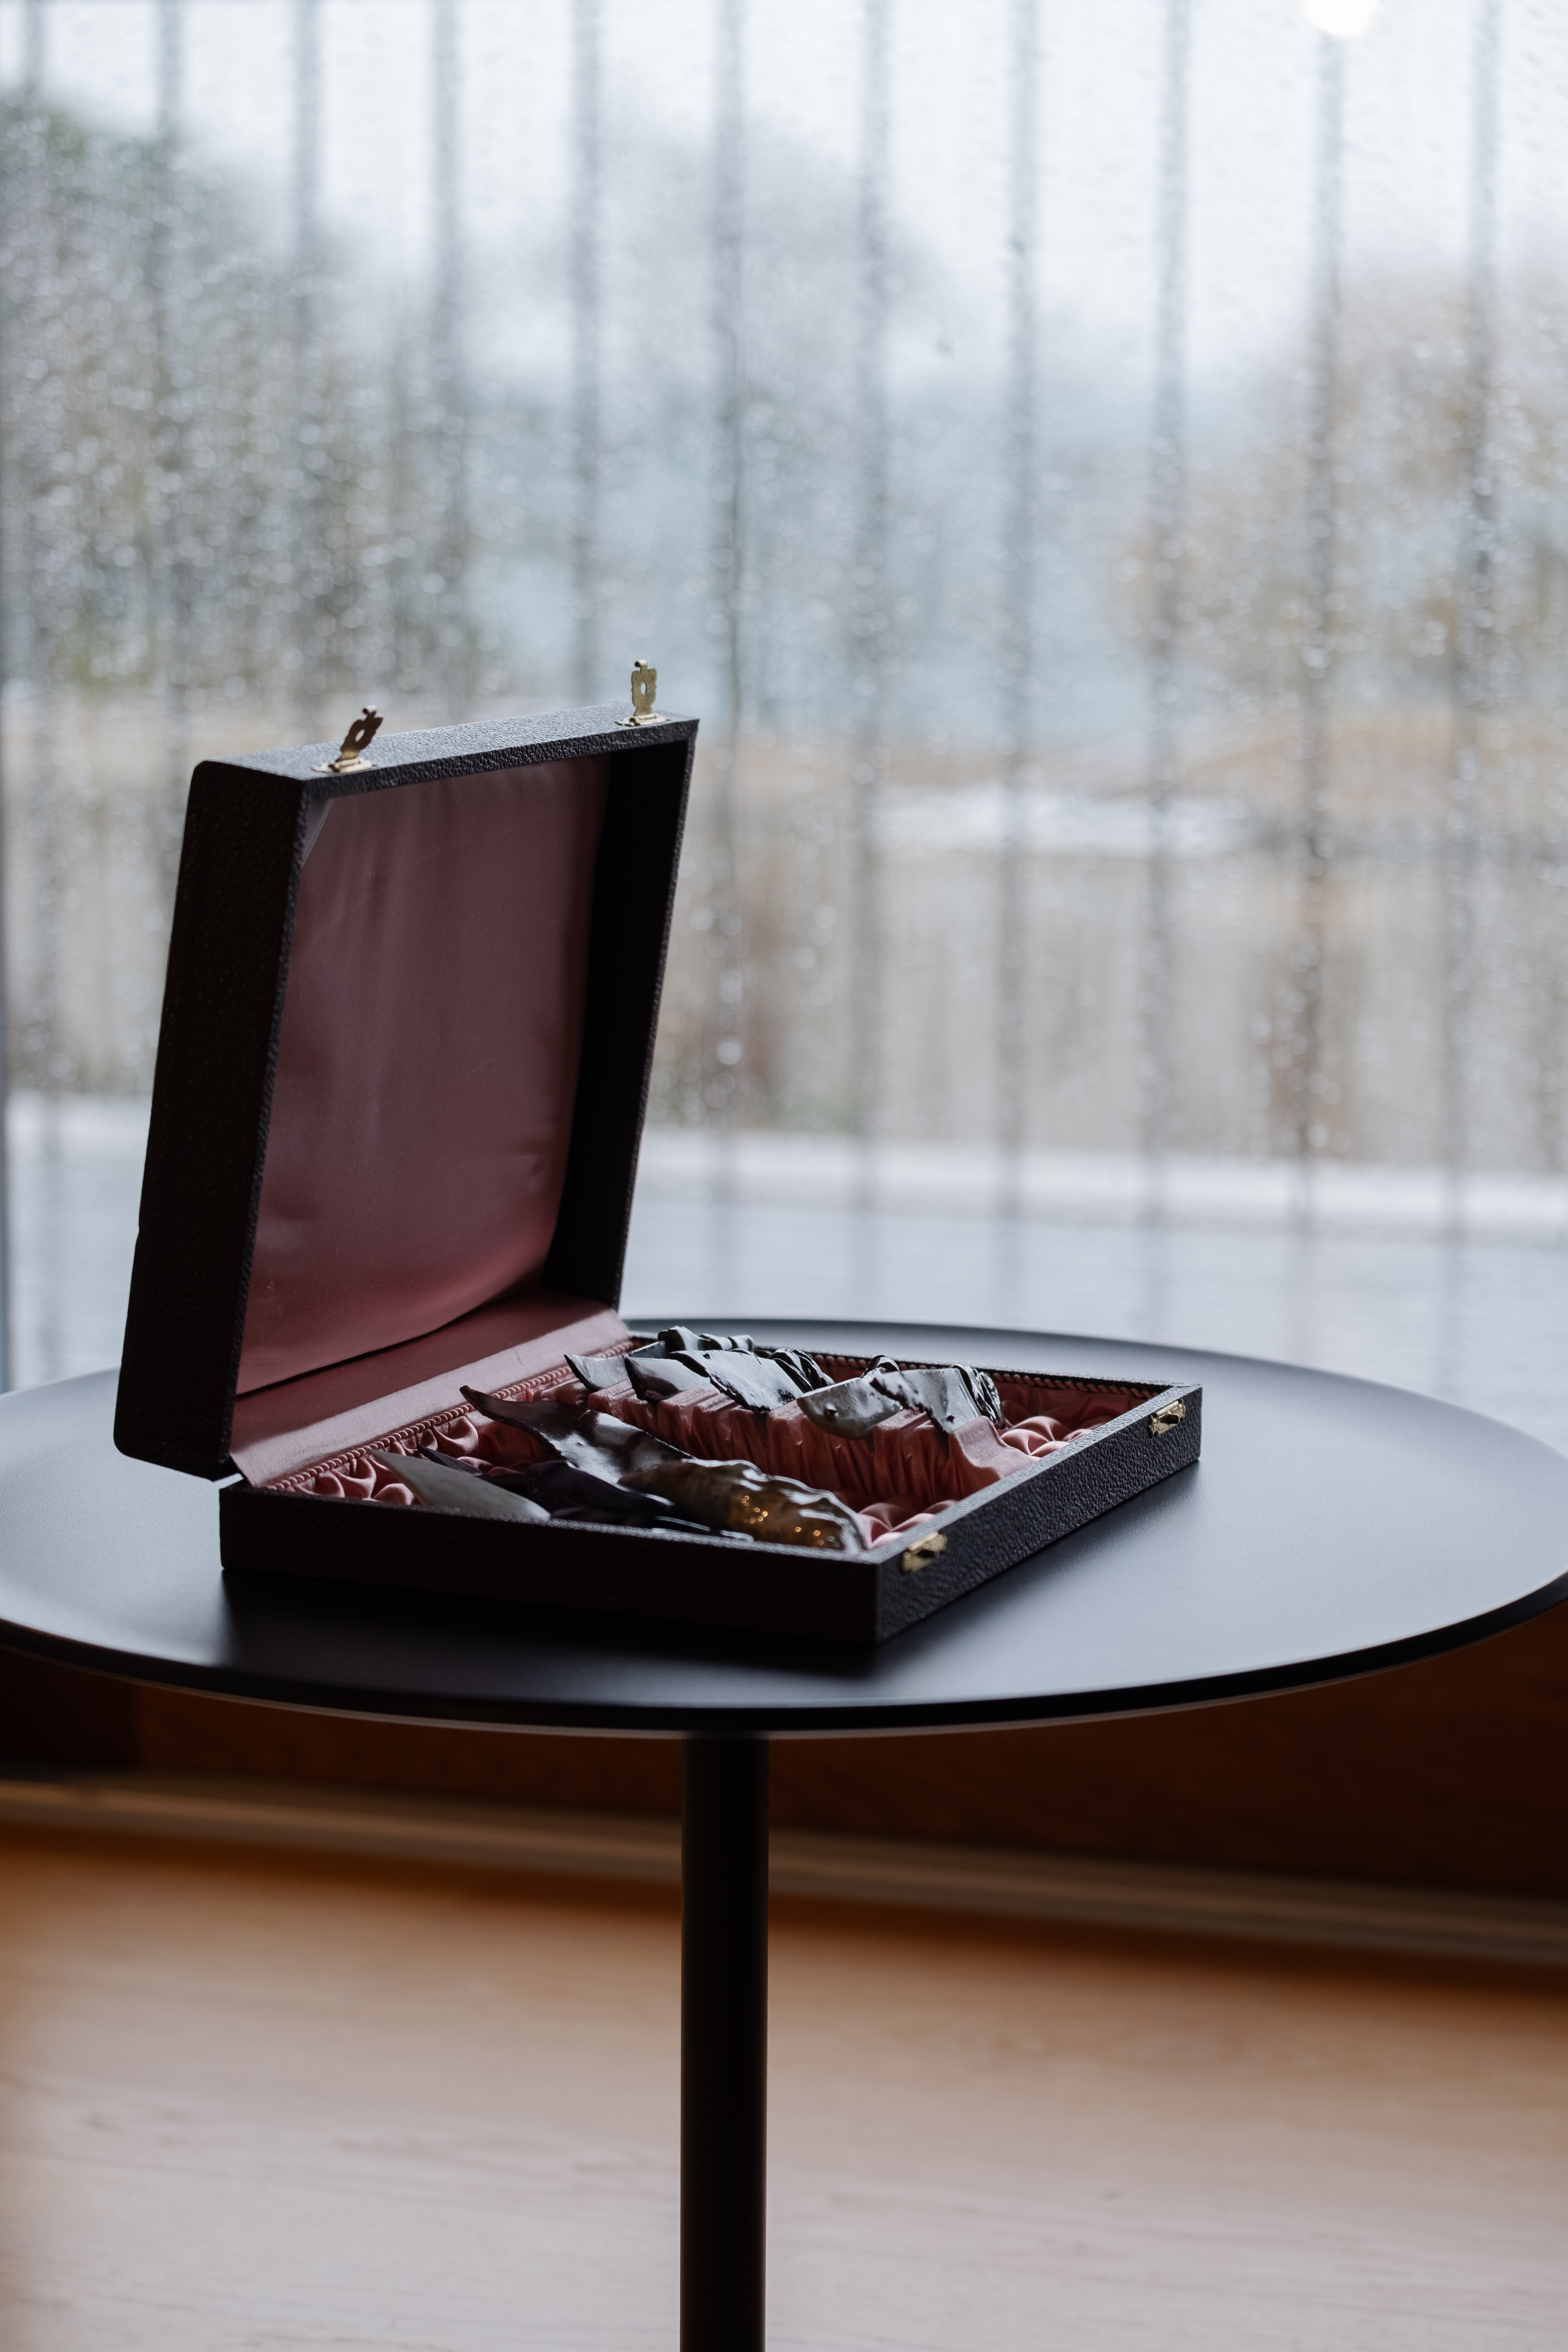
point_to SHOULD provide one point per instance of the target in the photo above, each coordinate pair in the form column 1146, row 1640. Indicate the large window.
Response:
column 1099, row 472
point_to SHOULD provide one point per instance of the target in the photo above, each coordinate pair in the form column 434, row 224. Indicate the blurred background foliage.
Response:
column 1131, row 737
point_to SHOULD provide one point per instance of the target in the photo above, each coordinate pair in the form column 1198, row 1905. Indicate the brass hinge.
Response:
column 645, row 685
column 351, row 750
column 1160, row 1423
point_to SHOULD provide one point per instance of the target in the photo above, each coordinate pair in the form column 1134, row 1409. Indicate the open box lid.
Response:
column 408, row 1033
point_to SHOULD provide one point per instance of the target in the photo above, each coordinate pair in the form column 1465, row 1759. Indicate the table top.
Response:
column 1332, row 1527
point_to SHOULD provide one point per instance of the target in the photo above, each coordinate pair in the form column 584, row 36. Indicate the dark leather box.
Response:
column 407, row 1032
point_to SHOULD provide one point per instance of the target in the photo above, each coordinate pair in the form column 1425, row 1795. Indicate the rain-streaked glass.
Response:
column 1100, row 474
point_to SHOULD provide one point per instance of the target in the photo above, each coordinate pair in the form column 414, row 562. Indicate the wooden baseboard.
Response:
column 1170, row 1898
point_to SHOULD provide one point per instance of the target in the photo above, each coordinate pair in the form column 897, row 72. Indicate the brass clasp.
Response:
column 922, row 1553
column 1160, row 1423
column 351, row 750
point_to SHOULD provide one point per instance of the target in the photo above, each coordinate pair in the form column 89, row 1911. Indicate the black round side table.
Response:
column 1332, row 1528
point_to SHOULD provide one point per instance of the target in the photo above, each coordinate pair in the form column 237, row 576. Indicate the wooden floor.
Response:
column 249, row 2102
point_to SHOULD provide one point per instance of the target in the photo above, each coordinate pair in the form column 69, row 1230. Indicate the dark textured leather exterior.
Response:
column 245, row 831
column 223, row 998
column 862, row 1599
column 1006, row 1524
column 634, row 904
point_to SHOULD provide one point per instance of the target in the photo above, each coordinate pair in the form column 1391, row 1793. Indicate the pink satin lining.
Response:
column 280, row 1430
column 427, row 1064
column 898, row 1479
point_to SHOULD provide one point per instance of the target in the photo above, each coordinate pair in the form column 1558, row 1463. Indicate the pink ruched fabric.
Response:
column 898, row 1479
column 904, row 1457
column 358, row 1478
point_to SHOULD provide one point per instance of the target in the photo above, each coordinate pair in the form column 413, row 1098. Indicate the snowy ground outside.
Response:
column 1365, row 1278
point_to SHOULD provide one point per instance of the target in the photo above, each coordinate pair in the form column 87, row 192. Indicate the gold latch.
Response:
column 1160, row 1423
column 351, row 750
column 922, row 1553
column 644, row 686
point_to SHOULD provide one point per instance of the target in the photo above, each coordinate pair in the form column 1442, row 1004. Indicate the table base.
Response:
column 723, row 2044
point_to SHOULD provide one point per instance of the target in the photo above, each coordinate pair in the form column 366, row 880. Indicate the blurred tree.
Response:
column 147, row 377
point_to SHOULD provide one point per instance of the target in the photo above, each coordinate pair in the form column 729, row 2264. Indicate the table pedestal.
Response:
column 723, row 2044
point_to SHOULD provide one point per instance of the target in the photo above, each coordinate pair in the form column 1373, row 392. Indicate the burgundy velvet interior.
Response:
column 428, row 1065
column 899, row 1478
